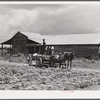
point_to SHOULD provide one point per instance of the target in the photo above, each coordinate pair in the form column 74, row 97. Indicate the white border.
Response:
column 5, row 94
column 50, row 2
column 49, row 94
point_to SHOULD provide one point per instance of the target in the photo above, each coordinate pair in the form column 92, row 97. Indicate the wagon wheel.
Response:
column 39, row 62
column 29, row 59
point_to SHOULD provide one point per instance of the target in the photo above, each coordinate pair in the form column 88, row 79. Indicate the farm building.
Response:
column 21, row 43
column 82, row 44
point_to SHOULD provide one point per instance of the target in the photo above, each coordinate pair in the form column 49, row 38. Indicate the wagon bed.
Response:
column 39, row 60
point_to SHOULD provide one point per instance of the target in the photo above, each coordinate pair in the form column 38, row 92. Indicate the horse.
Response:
column 55, row 59
column 69, row 56
column 62, row 59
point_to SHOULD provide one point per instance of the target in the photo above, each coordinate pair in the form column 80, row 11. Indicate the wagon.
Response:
column 38, row 60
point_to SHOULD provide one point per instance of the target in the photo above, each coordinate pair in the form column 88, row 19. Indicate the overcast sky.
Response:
column 49, row 19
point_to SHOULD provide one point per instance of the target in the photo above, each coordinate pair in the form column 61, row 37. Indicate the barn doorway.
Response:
column 33, row 49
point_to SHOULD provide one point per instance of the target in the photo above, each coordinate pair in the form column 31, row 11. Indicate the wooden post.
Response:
column 1, row 49
column 34, row 49
column 10, row 49
column 39, row 49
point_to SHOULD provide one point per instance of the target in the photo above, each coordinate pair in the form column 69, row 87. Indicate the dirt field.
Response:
column 84, row 75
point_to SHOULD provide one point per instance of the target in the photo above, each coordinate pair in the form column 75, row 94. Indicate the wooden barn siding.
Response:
column 19, row 43
column 80, row 50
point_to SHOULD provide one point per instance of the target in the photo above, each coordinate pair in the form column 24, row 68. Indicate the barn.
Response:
column 82, row 44
column 22, row 43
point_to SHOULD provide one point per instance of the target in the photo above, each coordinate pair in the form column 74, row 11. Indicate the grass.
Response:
column 48, row 79
column 24, row 77
column 85, row 63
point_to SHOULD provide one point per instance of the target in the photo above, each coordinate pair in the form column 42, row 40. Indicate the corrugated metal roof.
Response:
column 75, row 39
column 64, row 39
column 37, row 37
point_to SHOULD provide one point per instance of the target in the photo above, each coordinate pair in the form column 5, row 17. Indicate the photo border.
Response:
column 20, row 95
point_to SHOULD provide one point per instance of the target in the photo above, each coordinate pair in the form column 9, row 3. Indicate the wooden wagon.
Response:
column 38, row 60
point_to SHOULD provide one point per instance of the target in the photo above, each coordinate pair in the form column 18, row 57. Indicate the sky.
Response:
column 49, row 19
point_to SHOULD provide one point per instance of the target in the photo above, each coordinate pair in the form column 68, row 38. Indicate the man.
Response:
column 43, row 47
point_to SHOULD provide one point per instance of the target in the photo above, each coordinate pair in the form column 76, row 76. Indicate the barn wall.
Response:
column 19, row 43
column 80, row 50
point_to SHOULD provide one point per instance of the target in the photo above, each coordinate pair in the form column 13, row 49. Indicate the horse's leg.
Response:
column 67, row 64
column 59, row 64
column 71, row 64
column 53, row 64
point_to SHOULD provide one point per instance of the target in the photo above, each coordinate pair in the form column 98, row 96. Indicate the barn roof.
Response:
column 62, row 39
column 35, row 36
column 65, row 39
column 26, row 34
column 75, row 39
column 7, row 42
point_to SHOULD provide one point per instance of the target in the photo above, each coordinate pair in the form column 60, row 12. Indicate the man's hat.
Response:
column 43, row 39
